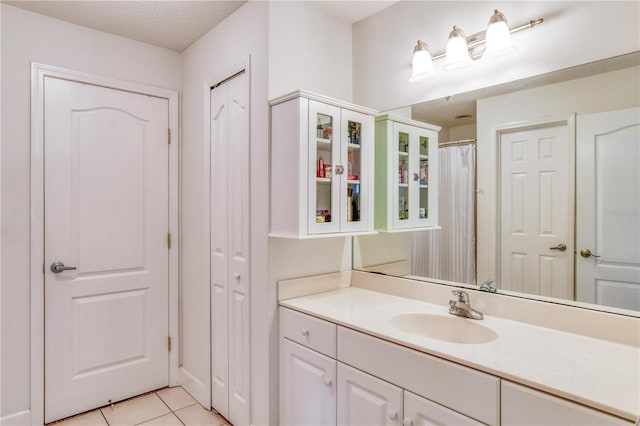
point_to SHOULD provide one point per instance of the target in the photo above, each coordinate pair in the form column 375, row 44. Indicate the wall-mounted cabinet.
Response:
column 406, row 196
column 321, row 167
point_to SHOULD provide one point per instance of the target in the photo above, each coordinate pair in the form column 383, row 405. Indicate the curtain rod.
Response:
column 458, row 142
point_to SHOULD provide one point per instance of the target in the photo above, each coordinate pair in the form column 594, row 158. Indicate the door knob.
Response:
column 587, row 253
column 57, row 267
column 559, row 247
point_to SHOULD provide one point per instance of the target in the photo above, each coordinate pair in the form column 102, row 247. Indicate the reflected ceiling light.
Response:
column 422, row 63
column 498, row 37
column 457, row 50
column 496, row 40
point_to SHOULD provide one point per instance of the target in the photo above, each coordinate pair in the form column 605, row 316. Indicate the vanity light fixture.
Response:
column 461, row 50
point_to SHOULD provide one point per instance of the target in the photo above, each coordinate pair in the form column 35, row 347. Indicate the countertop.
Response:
column 593, row 372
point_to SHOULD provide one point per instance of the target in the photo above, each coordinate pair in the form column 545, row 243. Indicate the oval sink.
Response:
column 446, row 328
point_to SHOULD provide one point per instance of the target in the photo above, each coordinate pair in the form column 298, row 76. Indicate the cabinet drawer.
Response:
column 421, row 411
column 462, row 389
column 524, row 406
column 312, row 332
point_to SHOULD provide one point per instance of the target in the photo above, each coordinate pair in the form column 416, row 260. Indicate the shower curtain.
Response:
column 449, row 253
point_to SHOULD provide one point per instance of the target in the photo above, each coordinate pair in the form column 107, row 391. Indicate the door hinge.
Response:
column 169, row 343
column 169, row 240
column 169, row 135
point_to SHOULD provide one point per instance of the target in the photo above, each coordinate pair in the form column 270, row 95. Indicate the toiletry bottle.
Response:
column 320, row 172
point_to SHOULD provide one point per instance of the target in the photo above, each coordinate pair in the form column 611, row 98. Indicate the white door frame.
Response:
column 496, row 133
column 38, row 74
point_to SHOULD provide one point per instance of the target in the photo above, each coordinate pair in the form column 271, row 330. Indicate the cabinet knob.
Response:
column 236, row 276
column 304, row 332
column 393, row 415
column 327, row 382
column 416, row 177
column 407, row 422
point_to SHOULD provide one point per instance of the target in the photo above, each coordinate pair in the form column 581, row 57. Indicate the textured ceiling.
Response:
column 171, row 24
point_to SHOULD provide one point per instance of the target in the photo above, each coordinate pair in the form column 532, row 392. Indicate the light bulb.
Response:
column 498, row 37
column 422, row 63
column 457, row 50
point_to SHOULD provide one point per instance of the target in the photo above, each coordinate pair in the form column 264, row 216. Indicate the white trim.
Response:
column 324, row 99
column 38, row 74
column 496, row 132
column 20, row 418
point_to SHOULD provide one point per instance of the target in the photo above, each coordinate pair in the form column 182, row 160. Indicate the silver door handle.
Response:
column 559, row 247
column 57, row 267
column 587, row 253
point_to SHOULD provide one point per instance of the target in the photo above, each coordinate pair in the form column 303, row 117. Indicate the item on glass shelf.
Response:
column 423, row 213
column 327, row 171
column 327, row 133
column 352, row 177
column 424, row 172
column 319, row 131
column 320, row 171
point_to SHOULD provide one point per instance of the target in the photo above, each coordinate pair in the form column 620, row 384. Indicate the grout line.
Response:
column 170, row 409
column 103, row 416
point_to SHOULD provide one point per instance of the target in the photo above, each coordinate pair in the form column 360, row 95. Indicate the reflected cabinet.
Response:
column 321, row 167
column 406, row 165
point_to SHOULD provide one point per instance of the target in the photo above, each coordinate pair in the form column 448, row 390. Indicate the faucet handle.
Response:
column 462, row 296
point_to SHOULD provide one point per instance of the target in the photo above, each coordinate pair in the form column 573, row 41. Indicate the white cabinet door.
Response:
column 419, row 411
column 356, row 157
column 309, row 387
column 524, row 406
column 365, row 400
column 324, row 155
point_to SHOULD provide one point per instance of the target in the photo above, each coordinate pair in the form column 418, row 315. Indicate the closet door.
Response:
column 230, row 249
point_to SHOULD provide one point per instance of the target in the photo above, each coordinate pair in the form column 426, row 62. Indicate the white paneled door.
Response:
column 536, row 214
column 608, row 208
column 106, row 252
column 230, row 249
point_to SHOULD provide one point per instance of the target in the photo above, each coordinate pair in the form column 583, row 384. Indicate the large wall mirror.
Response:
column 563, row 226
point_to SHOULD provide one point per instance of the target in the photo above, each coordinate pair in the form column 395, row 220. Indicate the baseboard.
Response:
column 195, row 387
column 20, row 418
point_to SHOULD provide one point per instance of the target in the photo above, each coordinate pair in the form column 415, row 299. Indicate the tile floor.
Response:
column 164, row 407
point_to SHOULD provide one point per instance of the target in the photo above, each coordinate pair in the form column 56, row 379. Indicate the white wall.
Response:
column 242, row 34
column 28, row 37
column 309, row 49
column 573, row 33
column 604, row 92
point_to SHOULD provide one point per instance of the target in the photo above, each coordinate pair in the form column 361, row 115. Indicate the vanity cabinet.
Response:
column 525, row 406
column 406, row 174
column 329, row 376
column 321, row 167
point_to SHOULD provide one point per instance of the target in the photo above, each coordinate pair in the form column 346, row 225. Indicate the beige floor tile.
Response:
column 176, row 398
column 136, row 410
column 195, row 415
column 166, row 420
column 92, row 418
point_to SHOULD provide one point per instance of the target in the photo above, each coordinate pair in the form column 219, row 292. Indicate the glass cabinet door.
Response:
column 423, row 173
column 324, row 173
column 356, row 188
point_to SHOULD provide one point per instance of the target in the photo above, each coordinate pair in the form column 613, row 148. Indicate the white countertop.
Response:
column 594, row 372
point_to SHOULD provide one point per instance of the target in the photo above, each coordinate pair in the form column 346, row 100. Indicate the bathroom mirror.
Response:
column 464, row 252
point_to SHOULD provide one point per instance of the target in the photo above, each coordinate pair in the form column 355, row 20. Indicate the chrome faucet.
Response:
column 461, row 306
column 486, row 286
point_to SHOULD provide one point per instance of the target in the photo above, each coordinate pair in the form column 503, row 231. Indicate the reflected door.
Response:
column 608, row 209
column 536, row 215
column 106, row 216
